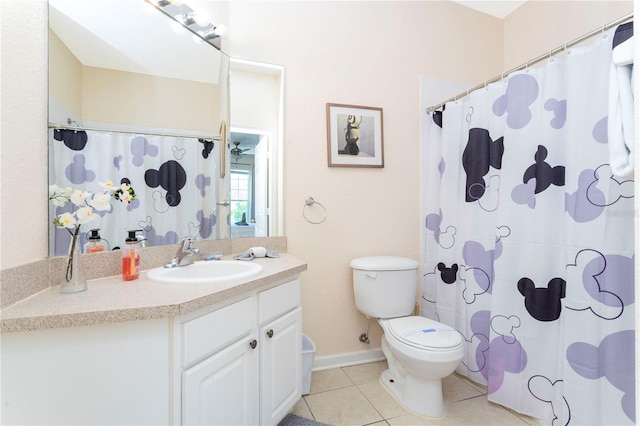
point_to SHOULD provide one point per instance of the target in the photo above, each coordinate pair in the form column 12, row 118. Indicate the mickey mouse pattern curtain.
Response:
column 175, row 180
column 529, row 242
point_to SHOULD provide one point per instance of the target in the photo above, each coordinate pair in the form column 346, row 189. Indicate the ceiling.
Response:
column 118, row 34
column 498, row 8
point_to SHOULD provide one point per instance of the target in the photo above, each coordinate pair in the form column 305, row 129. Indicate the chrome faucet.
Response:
column 184, row 254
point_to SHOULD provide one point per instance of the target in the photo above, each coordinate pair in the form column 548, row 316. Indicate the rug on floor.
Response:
column 293, row 420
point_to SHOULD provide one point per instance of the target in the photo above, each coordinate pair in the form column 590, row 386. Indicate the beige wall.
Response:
column 130, row 100
column 255, row 100
column 23, row 136
column 363, row 53
column 542, row 25
column 65, row 78
column 158, row 102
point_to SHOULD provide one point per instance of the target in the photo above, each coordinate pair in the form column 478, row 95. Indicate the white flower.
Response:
column 101, row 202
column 107, row 186
column 59, row 196
column 126, row 198
column 85, row 215
column 66, row 220
column 53, row 190
column 86, row 202
column 79, row 197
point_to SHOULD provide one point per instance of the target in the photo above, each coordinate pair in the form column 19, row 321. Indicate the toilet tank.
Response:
column 385, row 286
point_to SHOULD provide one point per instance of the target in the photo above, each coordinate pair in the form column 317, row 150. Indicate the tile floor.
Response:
column 354, row 396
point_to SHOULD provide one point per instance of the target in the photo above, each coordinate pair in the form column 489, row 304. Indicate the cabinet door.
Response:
column 280, row 366
column 223, row 389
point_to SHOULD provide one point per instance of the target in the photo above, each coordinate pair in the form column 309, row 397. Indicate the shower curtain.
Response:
column 175, row 180
column 528, row 242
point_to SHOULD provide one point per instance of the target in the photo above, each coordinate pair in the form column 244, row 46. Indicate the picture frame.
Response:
column 354, row 136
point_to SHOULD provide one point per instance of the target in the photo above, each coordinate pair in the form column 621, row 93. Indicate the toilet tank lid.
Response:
column 384, row 263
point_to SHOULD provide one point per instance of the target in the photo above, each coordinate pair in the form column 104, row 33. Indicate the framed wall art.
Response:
column 354, row 136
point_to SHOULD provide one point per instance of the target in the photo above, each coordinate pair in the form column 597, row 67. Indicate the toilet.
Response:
column 420, row 352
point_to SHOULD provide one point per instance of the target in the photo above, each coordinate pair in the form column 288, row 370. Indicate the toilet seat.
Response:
column 423, row 333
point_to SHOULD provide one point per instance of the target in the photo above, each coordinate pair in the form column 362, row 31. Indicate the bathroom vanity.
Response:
column 145, row 352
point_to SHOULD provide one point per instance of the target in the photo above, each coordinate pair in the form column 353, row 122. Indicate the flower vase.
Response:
column 74, row 279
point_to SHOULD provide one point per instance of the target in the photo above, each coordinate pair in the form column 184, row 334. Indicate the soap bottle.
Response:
column 95, row 243
column 131, row 257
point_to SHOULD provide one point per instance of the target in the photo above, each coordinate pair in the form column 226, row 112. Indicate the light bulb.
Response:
column 221, row 30
column 201, row 17
column 149, row 8
column 177, row 27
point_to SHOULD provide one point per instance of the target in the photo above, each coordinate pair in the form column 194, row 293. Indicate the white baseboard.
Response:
column 346, row 359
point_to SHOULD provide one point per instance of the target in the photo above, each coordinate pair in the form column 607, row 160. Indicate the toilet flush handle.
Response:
column 372, row 275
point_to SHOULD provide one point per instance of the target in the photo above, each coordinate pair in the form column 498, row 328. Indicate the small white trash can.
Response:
column 308, row 351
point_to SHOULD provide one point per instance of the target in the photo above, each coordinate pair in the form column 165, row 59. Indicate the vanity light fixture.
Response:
column 214, row 32
column 193, row 18
column 186, row 20
column 194, row 22
column 163, row 3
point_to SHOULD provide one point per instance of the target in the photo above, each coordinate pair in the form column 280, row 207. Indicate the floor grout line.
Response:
column 360, row 375
column 372, row 404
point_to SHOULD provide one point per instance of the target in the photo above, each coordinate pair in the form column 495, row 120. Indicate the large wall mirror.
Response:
column 135, row 98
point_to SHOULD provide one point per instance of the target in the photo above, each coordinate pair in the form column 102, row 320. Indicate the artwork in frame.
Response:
column 354, row 136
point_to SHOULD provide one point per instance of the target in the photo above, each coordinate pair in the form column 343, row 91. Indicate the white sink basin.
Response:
column 206, row 272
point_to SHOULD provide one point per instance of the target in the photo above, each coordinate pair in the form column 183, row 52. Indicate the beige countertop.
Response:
column 112, row 300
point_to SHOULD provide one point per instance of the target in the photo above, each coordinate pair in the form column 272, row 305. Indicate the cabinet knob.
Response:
column 253, row 343
column 270, row 333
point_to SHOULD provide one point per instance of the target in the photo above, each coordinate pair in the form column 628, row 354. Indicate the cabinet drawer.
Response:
column 278, row 300
column 206, row 334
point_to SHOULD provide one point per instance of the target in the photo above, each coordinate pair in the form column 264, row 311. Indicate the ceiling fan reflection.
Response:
column 236, row 152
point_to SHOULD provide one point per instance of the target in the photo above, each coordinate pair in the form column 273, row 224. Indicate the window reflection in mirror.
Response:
column 250, row 194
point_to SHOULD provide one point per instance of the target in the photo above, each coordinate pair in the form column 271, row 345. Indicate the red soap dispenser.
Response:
column 131, row 257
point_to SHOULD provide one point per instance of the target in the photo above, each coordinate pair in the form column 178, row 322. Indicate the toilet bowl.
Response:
column 420, row 352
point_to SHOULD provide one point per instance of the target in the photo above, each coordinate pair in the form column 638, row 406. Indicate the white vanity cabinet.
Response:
column 219, row 366
column 149, row 353
column 280, row 319
column 240, row 363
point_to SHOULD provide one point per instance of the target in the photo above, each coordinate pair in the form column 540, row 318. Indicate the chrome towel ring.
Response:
column 308, row 202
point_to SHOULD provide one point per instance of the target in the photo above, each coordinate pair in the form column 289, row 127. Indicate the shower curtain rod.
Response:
column 535, row 60
column 172, row 135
